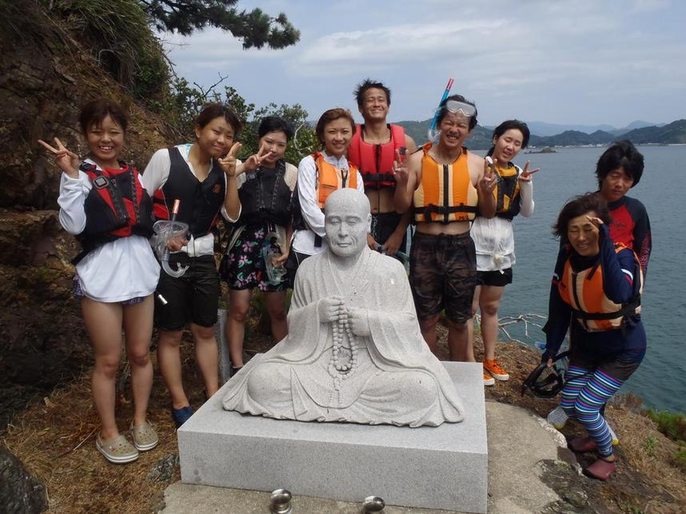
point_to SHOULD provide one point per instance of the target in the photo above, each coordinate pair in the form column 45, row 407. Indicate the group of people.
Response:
column 460, row 259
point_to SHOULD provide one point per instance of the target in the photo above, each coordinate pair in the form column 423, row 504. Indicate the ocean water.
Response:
column 661, row 378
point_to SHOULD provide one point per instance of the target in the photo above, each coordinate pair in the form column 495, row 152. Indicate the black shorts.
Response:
column 443, row 275
column 620, row 367
column 383, row 225
column 191, row 298
column 494, row 278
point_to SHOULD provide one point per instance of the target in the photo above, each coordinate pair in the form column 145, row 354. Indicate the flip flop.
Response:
column 601, row 469
column 582, row 444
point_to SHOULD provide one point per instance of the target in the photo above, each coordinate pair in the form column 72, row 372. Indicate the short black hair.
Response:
column 367, row 84
column 95, row 111
column 443, row 110
column 622, row 154
column 275, row 124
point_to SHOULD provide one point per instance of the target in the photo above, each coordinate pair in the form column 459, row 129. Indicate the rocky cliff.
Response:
column 45, row 76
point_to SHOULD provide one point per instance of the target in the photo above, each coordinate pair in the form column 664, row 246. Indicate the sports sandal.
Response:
column 496, row 370
column 144, row 437
column 582, row 444
column 117, row 450
column 488, row 379
column 601, row 469
column 180, row 416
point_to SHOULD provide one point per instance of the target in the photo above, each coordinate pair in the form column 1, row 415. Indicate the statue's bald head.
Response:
column 347, row 221
column 347, row 200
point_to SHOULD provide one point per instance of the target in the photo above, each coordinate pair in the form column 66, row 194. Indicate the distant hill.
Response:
column 480, row 139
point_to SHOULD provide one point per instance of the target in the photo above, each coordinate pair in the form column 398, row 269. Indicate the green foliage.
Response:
column 187, row 101
column 117, row 33
column 680, row 458
column 254, row 28
column 672, row 424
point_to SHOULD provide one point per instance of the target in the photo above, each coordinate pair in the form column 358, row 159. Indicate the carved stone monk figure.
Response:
column 354, row 351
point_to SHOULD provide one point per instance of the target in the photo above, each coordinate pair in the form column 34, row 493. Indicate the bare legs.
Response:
column 458, row 339
column 239, row 307
column 487, row 300
column 104, row 323
column 169, row 358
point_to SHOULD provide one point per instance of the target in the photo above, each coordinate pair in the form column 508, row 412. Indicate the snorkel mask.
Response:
column 450, row 105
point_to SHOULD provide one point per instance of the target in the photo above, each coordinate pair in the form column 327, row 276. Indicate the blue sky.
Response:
column 558, row 61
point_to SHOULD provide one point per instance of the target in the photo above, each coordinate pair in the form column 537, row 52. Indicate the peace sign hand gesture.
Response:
column 67, row 160
column 252, row 162
column 525, row 176
column 228, row 163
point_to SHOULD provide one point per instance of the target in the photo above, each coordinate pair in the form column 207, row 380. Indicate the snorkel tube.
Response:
column 164, row 231
column 432, row 132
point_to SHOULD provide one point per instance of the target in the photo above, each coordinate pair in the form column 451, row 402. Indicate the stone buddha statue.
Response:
column 354, row 351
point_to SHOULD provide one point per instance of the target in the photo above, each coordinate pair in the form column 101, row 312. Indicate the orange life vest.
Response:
column 330, row 178
column 583, row 292
column 446, row 192
column 375, row 161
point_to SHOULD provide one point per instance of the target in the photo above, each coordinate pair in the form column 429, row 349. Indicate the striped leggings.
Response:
column 584, row 394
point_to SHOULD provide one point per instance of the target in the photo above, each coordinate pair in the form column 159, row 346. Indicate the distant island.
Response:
column 547, row 149
column 673, row 133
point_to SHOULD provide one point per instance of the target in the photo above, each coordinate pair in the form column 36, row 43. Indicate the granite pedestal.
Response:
column 443, row 467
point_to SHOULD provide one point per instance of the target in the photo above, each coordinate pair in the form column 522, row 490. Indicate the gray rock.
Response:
column 20, row 492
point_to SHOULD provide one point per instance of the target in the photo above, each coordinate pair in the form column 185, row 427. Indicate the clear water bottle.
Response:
column 271, row 250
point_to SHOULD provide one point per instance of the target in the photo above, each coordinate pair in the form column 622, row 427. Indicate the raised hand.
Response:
column 228, row 163
column 359, row 321
column 525, row 176
column 331, row 308
column 252, row 162
column 67, row 160
column 400, row 170
column 489, row 178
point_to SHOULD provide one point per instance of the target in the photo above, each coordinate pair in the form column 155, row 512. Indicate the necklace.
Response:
column 344, row 357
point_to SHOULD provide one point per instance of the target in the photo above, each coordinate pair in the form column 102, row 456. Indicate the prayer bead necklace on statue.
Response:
column 340, row 368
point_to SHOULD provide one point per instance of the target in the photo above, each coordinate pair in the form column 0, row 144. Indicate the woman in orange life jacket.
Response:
column 595, row 293
column 103, row 202
column 318, row 175
column 265, row 186
column 494, row 237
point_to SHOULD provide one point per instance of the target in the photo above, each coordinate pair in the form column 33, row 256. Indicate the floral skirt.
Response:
column 243, row 266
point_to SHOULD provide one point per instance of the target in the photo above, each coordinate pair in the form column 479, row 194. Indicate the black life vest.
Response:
column 266, row 197
column 507, row 192
column 200, row 201
column 117, row 206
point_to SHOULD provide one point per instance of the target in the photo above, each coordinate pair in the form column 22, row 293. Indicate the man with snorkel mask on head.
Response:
column 445, row 185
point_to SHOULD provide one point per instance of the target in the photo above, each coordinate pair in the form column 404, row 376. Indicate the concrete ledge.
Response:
column 442, row 467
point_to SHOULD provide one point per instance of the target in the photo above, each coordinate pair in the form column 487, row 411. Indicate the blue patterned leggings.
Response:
column 584, row 394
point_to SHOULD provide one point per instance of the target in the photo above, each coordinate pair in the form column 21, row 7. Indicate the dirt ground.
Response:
column 55, row 440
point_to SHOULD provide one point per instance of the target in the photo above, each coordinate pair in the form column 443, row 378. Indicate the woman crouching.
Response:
column 596, row 294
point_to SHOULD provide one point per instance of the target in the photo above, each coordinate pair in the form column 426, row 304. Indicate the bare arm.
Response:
column 407, row 175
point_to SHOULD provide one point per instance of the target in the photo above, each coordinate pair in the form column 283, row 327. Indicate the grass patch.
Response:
column 672, row 424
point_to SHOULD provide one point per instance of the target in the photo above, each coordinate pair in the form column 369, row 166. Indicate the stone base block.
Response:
column 442, row 467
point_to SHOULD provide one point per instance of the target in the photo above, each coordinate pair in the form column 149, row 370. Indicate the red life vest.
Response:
column 375, row 161
column 583, row 292
column 446, row 192
column 117, row 206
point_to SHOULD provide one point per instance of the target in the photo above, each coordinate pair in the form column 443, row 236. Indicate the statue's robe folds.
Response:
column 397, row 379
